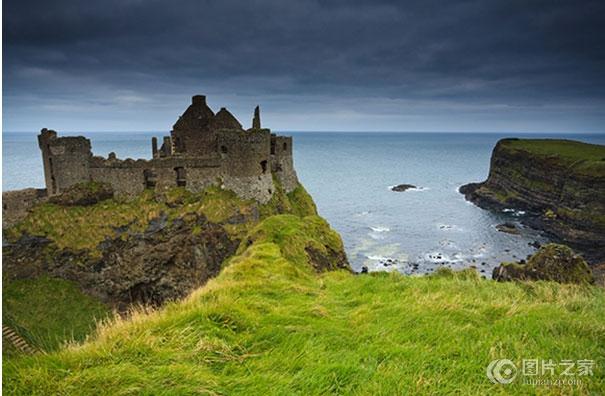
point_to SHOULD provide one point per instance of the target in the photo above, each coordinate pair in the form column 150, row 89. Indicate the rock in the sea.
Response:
column 83, row 194
column 553, row 262
column 509, row 228
column 402, row 187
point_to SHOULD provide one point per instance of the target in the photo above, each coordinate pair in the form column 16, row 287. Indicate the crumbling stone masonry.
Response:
column 203, row 149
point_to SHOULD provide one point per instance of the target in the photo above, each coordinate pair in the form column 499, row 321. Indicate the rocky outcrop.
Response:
column 328, row 260
column 560, row 184
column 16, row 204
column 157, row 248
column 83, row 194
column 165, row 262
column 552, row 262
column 508, row 228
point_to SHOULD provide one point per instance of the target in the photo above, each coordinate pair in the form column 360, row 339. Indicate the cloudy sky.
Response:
column 344, row 65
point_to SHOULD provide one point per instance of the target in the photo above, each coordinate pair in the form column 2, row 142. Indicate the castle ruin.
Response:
column 203, row 149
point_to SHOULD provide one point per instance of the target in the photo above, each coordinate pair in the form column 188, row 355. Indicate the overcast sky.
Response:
column 422, row 65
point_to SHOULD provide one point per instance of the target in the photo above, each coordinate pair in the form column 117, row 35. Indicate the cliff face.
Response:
column 559, row 183
column 154, row 248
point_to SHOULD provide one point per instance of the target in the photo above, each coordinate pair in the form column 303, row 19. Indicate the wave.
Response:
column 377, row 258
column 438, row 258
column 514, row 212
column 380, row 229
column 449, row 227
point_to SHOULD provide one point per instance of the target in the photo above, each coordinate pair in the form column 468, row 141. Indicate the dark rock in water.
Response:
column 552, row 262
column 535, row 244
column 508, row 228
column 83, row 194
column 364, row 270
column 402, row 187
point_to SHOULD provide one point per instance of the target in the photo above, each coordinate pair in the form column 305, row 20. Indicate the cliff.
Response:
column 559, row 183
column 150, row 249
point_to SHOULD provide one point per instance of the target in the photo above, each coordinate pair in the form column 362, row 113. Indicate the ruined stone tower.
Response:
column 66, row 160
column 256, row 119
column 192, row 133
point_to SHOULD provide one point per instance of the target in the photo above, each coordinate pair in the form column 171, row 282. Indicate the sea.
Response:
column 350, row 175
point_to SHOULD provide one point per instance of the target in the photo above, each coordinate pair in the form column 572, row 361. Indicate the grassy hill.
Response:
column 270, row 324
column 579, row 156
column 45, row 312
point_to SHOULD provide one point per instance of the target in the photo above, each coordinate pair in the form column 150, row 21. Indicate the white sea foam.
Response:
column 380, row 229
column 419, row 189
column 514, row 211
column 449, row 227
column 364, row 213
column 437, row 257
column 377, row 258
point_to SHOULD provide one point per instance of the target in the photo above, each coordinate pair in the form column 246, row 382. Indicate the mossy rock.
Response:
column 83, row 194
column 553, row 262
column 303, row 240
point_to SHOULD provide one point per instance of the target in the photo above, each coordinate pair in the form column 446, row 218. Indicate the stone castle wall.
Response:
column 204, row 149
column 16, row 204
column 66, row 160
column 282, row 164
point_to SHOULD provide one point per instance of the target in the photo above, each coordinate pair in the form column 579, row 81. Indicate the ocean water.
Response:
column 349, row 175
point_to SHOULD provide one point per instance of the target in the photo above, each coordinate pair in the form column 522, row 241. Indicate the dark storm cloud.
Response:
column 371, row 57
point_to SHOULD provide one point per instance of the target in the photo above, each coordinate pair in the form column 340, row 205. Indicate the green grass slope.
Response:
column 48, row 312
column 269, row 324
column 580, row 156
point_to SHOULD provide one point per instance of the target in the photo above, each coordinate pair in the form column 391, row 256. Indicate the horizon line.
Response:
column 334, row 131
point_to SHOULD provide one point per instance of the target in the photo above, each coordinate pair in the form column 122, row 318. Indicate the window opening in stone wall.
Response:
column 150, row 178
column 263, row 165
column 181, row 176
column 53, row 181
